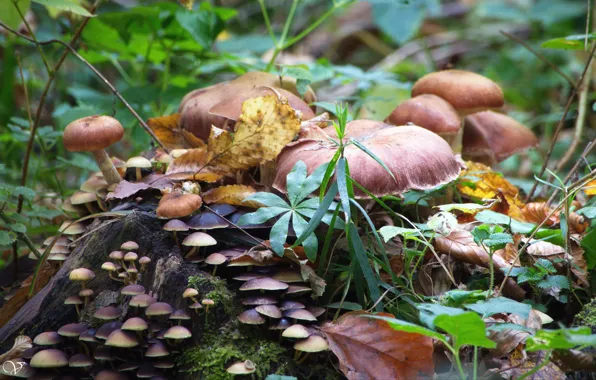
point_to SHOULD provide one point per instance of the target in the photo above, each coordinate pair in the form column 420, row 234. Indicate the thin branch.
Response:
column 539, row 56
column 562, row 122
column 574, row 169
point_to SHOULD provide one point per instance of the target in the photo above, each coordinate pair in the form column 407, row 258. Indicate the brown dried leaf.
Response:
column 396, row 263
column 370, row 349
column 507, row 339
column 545, row 250
column 461, row 246
column 231, row 194
column 127, row 189
column 170, row 133
column 317, row 284
column 509, row 253
column 537, row 212
column 194, row 165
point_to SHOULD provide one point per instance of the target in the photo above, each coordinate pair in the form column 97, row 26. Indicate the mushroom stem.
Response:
column 138, row 174
column 176, row 239
column 267, row 170
column 456, row 141
column 190, row 253
column 302, row 359
column 110, row 174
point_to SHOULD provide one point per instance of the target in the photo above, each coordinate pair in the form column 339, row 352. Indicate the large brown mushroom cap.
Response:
column 419, row 159
column 92, row 133
column 491, row 137
column 467, row 92
column 177, row 205
column 429, row 112
column 198, row 112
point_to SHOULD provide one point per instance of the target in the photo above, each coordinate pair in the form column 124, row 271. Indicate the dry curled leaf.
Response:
column 168, row 131
column 488, row 184
column 537, row 212
column 507, row 339
column 545, row 250
column 509, row 253
column 370, row 349
column 518, row 363
column 232, row 195
column 461, row 246
column 194, row 165
column 127, row 189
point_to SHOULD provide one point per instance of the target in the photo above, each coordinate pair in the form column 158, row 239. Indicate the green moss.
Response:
column 216, row 289
column 228, row 345
column 587, row 317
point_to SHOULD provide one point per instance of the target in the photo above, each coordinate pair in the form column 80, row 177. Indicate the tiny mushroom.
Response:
column 264, row 283
column 215, row 259
column 86, row 294
column 83, row 275
column 241, row 368
column 270, row 311
column 74, row 300
column 141, row 300
column 108, row 313
column 94, row 134
column 179, row 315
column 144, row 261
column 86, row 199
column 190, row 293
column 207, row 303
column 106, row 329
column 122, row 339
column 48, row 338
column 80, row 361
column 177, row 333
column 138, row 163
column 129, row 246
column 251, row 317
column 132, row 290
column 197, row 239
column 157, row 349
column 174, row 226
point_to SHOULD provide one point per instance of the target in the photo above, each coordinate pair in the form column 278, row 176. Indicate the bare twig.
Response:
column 539, row 56
column 562, row 122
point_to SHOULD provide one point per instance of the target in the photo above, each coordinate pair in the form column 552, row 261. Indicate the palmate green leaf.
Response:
column 316, row 218
column 9, row 13
column 279, row 233
column 294, row 181
column 466, row 329
column 309, row 213
column 310, row 244
column 268, row 199
column 313, row 182
column 72, row 6
column 261, row 215
column 7, row 238
column 500, row 305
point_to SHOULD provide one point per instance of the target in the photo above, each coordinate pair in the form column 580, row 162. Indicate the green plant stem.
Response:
column 455, row 352
column 267, row 21
column 44, row 94
column 536, row 368
column 279, row 46
column 475, row 364
column 30, row 30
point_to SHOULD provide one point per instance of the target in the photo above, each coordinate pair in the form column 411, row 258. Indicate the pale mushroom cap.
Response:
column 116, row 255
column 466, row 91
column 199, row 239
column 491, row 137
column 300, row 314
column 69, row 228
column 296, row 332
column 72, row 329
column 60, row 249
column 57, row 257
column 215, row 259
column 288, row 276
column 81, row 274
column 92, row 133
column 159, row 308
column 141, row 300
column 109, row 266
column 138, row 162
column 144, row 260
column 178, row 332
column 429, row 112
column 208, row 302
column 313, row 343
column 177, row 205
column 417, row 158
column 73, row 300
column 190, row 292
column 264, row 283
column 47, row 338
column 123, row 339
column 251, row 317
column 62, row 240
column 270, row 311
column 129, row 246
column 80, row 197
column 135, row 324
column 86, row 292
column 50, row 358
column 107, row 313
column 241, row 368
column 94, row 183
column 130, row 256
column 176, row 225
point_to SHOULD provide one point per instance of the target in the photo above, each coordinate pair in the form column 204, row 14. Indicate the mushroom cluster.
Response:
column 123, row 267
column 460, row 107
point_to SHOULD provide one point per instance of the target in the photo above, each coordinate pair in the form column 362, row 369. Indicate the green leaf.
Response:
column 557, row 281
column 466, row 329
column 573, row 42
column 310, row 244
column 399, row 21
column 500, row 305
column 261, row 215
column 346, row 305
column 9, row 13
column 268, row 199
column 389, row 232
column 102, row 36
column 316, row 219
column 492, row 217
column 545, row 266
column 342, row 186
column 26, row 192
column 72, row 6
column 203, row 25
column 562, row 339
column 588, row 243
column 302, row 74
column 313, row 181
column 279, row 234
column 18, row 227
column 430, row 311
column 588, row 212
column 508, row 326
column 498, row 241
column 7, row 238
column 404, row 326
column 359, row 252
column 294, row 179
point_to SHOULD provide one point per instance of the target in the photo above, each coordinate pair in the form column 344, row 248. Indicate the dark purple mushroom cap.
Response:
column 178, row 332
column 207, row 220
column 50, row 358
column 123, row 339
column 102, row 353
column 283, row 324
column 156, row 350
column 179, row 315
column 270, row 311
column 300, row 314
column 132, row 290
column 264, row 283
column 48, row 338
column 108, row 313
column 28, row 353
column 159, row 308
column 146, row 371
column 88, row 336
column 141, row 300
column 130, row 365
column 72, row 330
column 289, row 304
column 80, row 360
column 135, row 324
column 316, row 310
column 106, row 329
column 163, row 364
column 107, row 374
column 176, row 225
column 223, row 209
column 251, row 317
column 157, row 326
column 260, row 300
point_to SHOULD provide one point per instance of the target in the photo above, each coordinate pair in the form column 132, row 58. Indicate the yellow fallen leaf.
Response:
column 232, row 195
column 590, row 188
column 170, row 133
column 194, row 165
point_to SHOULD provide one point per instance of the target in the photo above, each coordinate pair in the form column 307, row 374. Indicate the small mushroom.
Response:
column 86, row 294
column 190, row 293
column 215, row 259
column 111, row 268
column 138, row 163
column 174, row 226
column 207, row 303
column 300, row 314
column 74, row 300
column 48, row 338
column 144, row 261
column 158, row 309
column 128, row 246
column 197, row 239
column 108, row 374
column 122, row 339
column 80, row 198
column 179, row 315
column 313, row 343
column 80, row 361
column 135, row 324
column 83, row 275
column 50, row 358
column 264, row 283
column 132, row 290
column 270, row 311
column 251, row 317
column 177, row 333
column 94, row 134
column 296, row 331
column 106, row 329
column 157, row 350
column 141, row 301
column 108, row 313
column 241, row 368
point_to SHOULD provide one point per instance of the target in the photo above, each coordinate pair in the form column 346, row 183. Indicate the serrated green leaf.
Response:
column 313, row 182
column 545, row 265
column 26, row 192
column 500, row 305
column 319, row 214
column 72, row 6
column 279, row 234
column 18, row 227
column 556, row 281
column 7, row 238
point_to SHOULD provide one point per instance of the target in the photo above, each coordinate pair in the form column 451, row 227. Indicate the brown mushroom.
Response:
column 176, row 204
column 94, row 134
column 491, row 137
column 417, row 158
